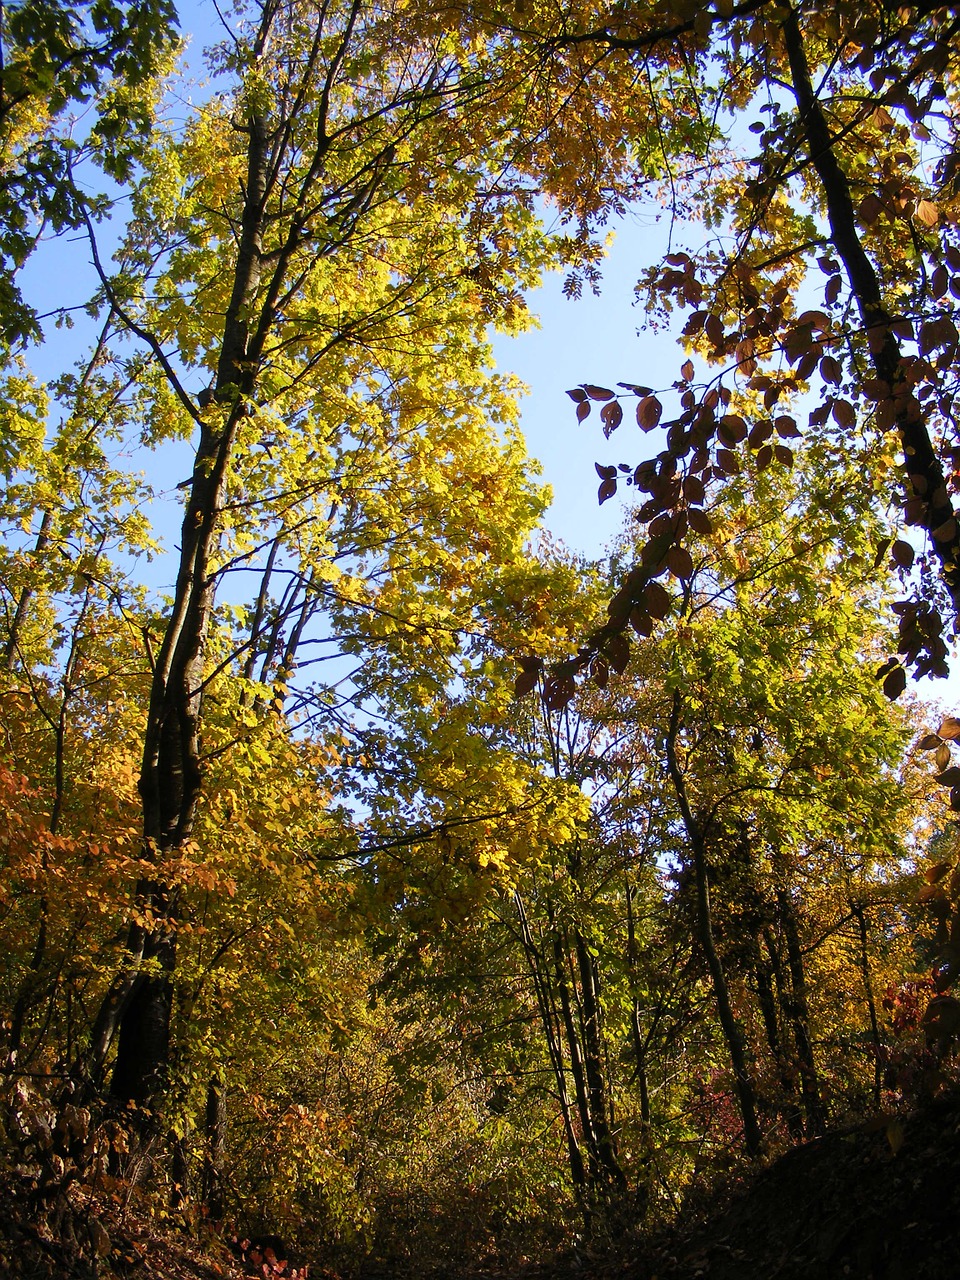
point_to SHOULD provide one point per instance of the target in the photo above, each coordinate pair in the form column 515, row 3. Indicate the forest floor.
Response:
column 879, row 1201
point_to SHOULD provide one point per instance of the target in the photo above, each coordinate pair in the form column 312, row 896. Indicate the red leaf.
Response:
column 583, row 410
column 686, row 371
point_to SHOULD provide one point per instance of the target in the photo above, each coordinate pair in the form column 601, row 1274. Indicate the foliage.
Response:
column 302, row 913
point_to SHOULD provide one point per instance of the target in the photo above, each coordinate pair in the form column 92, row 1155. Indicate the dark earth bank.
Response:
column 880, row 1201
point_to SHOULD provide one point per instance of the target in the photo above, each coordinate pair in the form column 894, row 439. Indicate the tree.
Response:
column 56, row 58
column 852, row 186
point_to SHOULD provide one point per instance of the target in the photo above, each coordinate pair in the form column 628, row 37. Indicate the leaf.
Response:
column 611, row 415
column 934, row 874
column 648, row 413
column 783, row 455
column 727, row 462
column 641, row 622
column 930, row 742
column 927, row 213
column 524, row 682
column 844, row 414
column 945, row 532
column 949, row 729
column 578, row 395
column 686, row 371
column 943, row 756
column 903, row 554
column 764, row 457
column 618, row 653
column 870, row 208
column 786, row 427
column 680, row 562
column 700, row 522
column 607, row 489
column 583, row 410
column 895, row 682
column 732, row 429
column 657, row 600
column 597, row 393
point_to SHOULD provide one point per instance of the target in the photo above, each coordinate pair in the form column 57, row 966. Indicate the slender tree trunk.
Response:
column 600, row 1104
column 861, row 918
column 798, row 1014
column 214, row 1139
column 743, row 1081
column 578, row 1175
column 636, row 1030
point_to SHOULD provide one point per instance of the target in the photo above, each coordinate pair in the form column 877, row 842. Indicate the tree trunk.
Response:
column 798, row 1014
column 743, row 1081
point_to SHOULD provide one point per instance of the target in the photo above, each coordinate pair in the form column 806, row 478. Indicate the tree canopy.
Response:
column 303, row 902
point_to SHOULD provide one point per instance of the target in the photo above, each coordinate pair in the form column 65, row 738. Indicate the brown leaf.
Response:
column 903, row 554
column 583, row 410
column 648, row 413
column 844, row 414
column 950, row 729
column 933, row 874
column 657, row 600
column 618, row 653
column 949, row 778
column 870, row 208
column 943, row 756
column 732, row 429
column 578, row 395
column 607, row 489
column 895, row 683
column 686, row 371
column 700, row 522
column 783, row 455
column 525, row 681
column 764, row 457
column 600, row 672
column 761, row 433
column 611, row 415
column 641, row 622
column 786, row 427
column 680, row 562
column 945, row 532
column 597, row 393
column 930, row 742
column 727, row 462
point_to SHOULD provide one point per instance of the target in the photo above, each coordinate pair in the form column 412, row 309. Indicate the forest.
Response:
column 377, row 874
